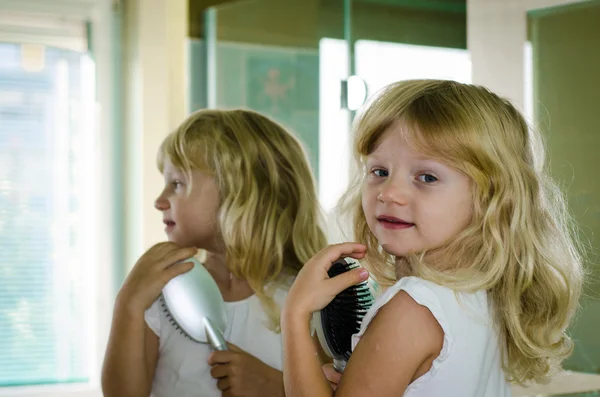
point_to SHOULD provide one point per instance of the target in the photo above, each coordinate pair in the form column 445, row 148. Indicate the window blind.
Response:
column 46, row 164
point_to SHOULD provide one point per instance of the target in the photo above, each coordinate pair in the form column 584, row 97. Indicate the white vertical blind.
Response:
column 46, row 196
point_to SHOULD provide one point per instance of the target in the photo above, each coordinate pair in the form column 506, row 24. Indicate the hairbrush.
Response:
column 195, row 306
column 341, row 318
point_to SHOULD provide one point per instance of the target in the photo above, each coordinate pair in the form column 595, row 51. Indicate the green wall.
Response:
column 566, row 65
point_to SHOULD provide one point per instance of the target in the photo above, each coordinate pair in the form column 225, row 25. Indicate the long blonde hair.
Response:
column 521, row 245
column 269, row 215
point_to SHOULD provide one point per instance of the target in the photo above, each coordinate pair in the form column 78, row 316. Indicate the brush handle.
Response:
column 339, row 365
column 214, row 335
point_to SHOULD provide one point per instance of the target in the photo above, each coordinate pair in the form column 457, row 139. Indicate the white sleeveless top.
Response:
column 182, row 369
column 469, row 364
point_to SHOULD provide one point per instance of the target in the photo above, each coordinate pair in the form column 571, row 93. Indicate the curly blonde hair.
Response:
column 521, row 245
column 269, row 215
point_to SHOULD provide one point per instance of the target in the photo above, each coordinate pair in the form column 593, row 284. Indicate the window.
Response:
column 47, row 212
column 397, row 61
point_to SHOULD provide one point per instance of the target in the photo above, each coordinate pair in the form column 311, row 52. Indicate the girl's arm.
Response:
column 312, row 290
column 131, row 356
column 302, row 372
column 132, row 349
column 399, row 345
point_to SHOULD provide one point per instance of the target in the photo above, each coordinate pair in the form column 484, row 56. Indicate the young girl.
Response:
column 239, row 187
column 462, row 224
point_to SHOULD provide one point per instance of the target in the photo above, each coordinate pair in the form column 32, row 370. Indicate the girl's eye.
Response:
column 427, row 178
column 380, row 173
column 176, row 184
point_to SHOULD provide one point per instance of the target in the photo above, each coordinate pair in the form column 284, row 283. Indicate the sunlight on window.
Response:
column 404, row 61
column 334, row 122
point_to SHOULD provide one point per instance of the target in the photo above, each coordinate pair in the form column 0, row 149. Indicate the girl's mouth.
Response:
column 390, row 222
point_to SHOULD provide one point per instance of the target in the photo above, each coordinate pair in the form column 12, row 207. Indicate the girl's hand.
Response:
column 332, row 375
column 313, row 289
column 240, row 374
column 151, row 273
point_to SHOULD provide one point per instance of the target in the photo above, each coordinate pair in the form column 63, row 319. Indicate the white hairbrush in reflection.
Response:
column 195, row 306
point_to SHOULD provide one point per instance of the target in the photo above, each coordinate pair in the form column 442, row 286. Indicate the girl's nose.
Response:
column 394, row 192
column 161, row 203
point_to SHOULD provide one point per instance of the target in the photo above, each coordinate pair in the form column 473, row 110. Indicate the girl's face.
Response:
column 413, row 203
column 190, row 219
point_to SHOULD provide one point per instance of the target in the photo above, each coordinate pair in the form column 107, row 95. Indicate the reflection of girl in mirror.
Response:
column 459, row 220
column 239, row 187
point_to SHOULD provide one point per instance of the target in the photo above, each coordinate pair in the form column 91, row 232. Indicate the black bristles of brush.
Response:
column 342, row 317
